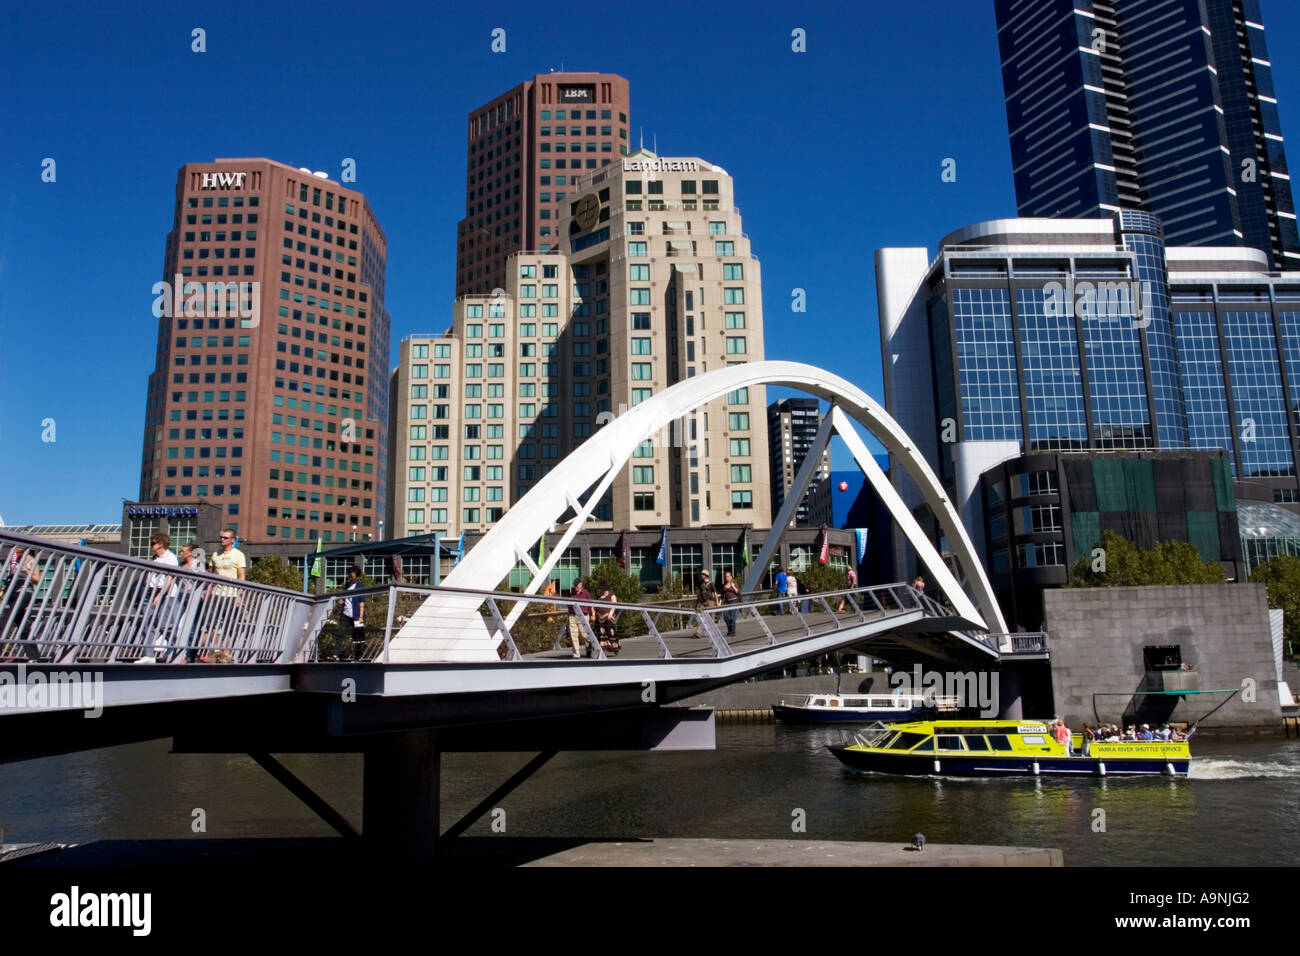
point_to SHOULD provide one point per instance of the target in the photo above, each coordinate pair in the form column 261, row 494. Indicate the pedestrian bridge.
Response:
column 88, row 610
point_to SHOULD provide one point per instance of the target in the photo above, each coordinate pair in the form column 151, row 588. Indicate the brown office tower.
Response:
column 269, row 395
column 526, row 149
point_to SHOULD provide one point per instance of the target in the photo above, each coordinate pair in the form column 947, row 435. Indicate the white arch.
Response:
column 448, row 627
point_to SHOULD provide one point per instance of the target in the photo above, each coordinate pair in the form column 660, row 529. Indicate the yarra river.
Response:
column 1239, row 807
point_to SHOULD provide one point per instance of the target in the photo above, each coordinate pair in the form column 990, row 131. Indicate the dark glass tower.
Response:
column 1166, row 106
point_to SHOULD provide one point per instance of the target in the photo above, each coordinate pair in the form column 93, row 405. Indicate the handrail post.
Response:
column 388, row 625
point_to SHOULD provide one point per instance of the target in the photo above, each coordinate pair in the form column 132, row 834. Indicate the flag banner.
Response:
column 315, row 567
column 622, row 550
column 460, row 550
column 663, row 548
column 744, row 549
column 396, row 565
column 862, row 543
column 541, row 550
column 824, row 550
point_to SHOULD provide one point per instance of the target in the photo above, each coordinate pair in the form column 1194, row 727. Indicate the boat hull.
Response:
column 1012, row 765
column 786, row 714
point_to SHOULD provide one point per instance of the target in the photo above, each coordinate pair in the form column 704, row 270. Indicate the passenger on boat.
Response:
column 1164, row 733
column 1145, row 734
column 1063, row 736
column 1111, row 736
column 1131, row 733
column 1088, row 733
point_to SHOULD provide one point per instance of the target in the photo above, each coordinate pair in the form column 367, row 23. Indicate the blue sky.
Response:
column 884, row 93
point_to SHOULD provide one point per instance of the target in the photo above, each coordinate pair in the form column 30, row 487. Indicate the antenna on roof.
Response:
column 656, row 142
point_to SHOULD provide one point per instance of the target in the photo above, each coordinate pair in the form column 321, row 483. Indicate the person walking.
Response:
column 850, row 582
column 229, row 563
column 705, row 597
column 576, row 613
column 792, row 590
column 780, row 590
column 350, row 633
column 606, row 617
column 24, row 576
column 730, row 598
column 193, row 594
column 162, row 593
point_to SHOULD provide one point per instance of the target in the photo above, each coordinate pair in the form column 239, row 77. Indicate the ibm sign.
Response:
column 577, row 94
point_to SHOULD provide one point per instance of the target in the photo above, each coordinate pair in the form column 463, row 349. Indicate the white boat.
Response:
column 860, row 708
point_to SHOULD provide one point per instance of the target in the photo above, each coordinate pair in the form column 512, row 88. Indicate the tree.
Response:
column 1281, row 575
column 277, row 572
column 820, row 578
column 1121, row 564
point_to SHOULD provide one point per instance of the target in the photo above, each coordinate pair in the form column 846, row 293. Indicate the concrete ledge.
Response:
column 793, row 853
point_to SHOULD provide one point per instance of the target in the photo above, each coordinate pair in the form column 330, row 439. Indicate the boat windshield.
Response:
column 875, row 735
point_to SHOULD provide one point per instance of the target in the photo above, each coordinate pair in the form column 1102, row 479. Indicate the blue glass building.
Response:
column 1165, row 106
column 1041, row 336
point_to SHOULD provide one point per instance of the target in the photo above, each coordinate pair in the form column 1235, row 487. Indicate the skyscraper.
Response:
column 526, row 150
column 654, row 283
column 791, row 427
column 269, row 394
column 1164, row 106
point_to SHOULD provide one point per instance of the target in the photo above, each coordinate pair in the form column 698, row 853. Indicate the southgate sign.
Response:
column 661, row 165
column 223, row 180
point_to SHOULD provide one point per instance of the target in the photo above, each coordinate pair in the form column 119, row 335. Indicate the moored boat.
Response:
column 994, row 748
column 860, row 708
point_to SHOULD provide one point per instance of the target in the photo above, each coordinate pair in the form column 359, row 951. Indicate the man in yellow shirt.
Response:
column 229, row 562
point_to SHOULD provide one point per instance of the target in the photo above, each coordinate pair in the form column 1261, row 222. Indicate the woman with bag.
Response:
column 730, row 596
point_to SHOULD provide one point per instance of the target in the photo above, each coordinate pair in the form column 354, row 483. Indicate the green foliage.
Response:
column 1126, row 565
column 1281, row 575
column 277, row 572
column 819, row 578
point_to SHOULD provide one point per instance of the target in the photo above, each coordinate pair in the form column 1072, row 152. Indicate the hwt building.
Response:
column 269, row 395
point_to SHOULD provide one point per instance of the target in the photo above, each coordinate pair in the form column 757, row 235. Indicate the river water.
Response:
column 1238, row 808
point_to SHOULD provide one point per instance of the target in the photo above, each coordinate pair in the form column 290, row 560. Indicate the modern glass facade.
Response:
column 1163, row 105
column 1092, row 336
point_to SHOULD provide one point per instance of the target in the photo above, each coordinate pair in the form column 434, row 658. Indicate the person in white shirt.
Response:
column 162, row 591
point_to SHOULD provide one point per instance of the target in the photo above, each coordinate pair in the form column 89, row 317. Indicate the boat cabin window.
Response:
column 999, row 742
column 834, row 703
column 927, row 744
column 950, row 743
column 906, row 741
column 1033, row 739
column 819, row 702
column 975, row 743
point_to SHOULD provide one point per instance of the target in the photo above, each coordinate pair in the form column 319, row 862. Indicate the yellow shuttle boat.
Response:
column 993, row 748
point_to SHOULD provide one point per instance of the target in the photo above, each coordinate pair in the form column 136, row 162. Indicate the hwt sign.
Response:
column 223, row 180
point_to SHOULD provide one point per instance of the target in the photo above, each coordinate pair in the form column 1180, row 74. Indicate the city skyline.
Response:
column 789, row 120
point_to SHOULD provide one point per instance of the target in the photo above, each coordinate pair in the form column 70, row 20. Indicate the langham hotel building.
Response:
column 269, row 395
column 654, row 283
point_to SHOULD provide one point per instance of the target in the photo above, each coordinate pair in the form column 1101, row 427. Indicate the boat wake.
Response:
column 1212, row 769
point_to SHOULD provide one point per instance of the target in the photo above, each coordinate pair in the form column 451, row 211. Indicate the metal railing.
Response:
column 547, row 623
column 65, row 604
column 69, row 604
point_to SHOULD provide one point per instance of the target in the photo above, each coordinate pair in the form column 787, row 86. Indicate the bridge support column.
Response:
column 1010, row 696
column 400, row 794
